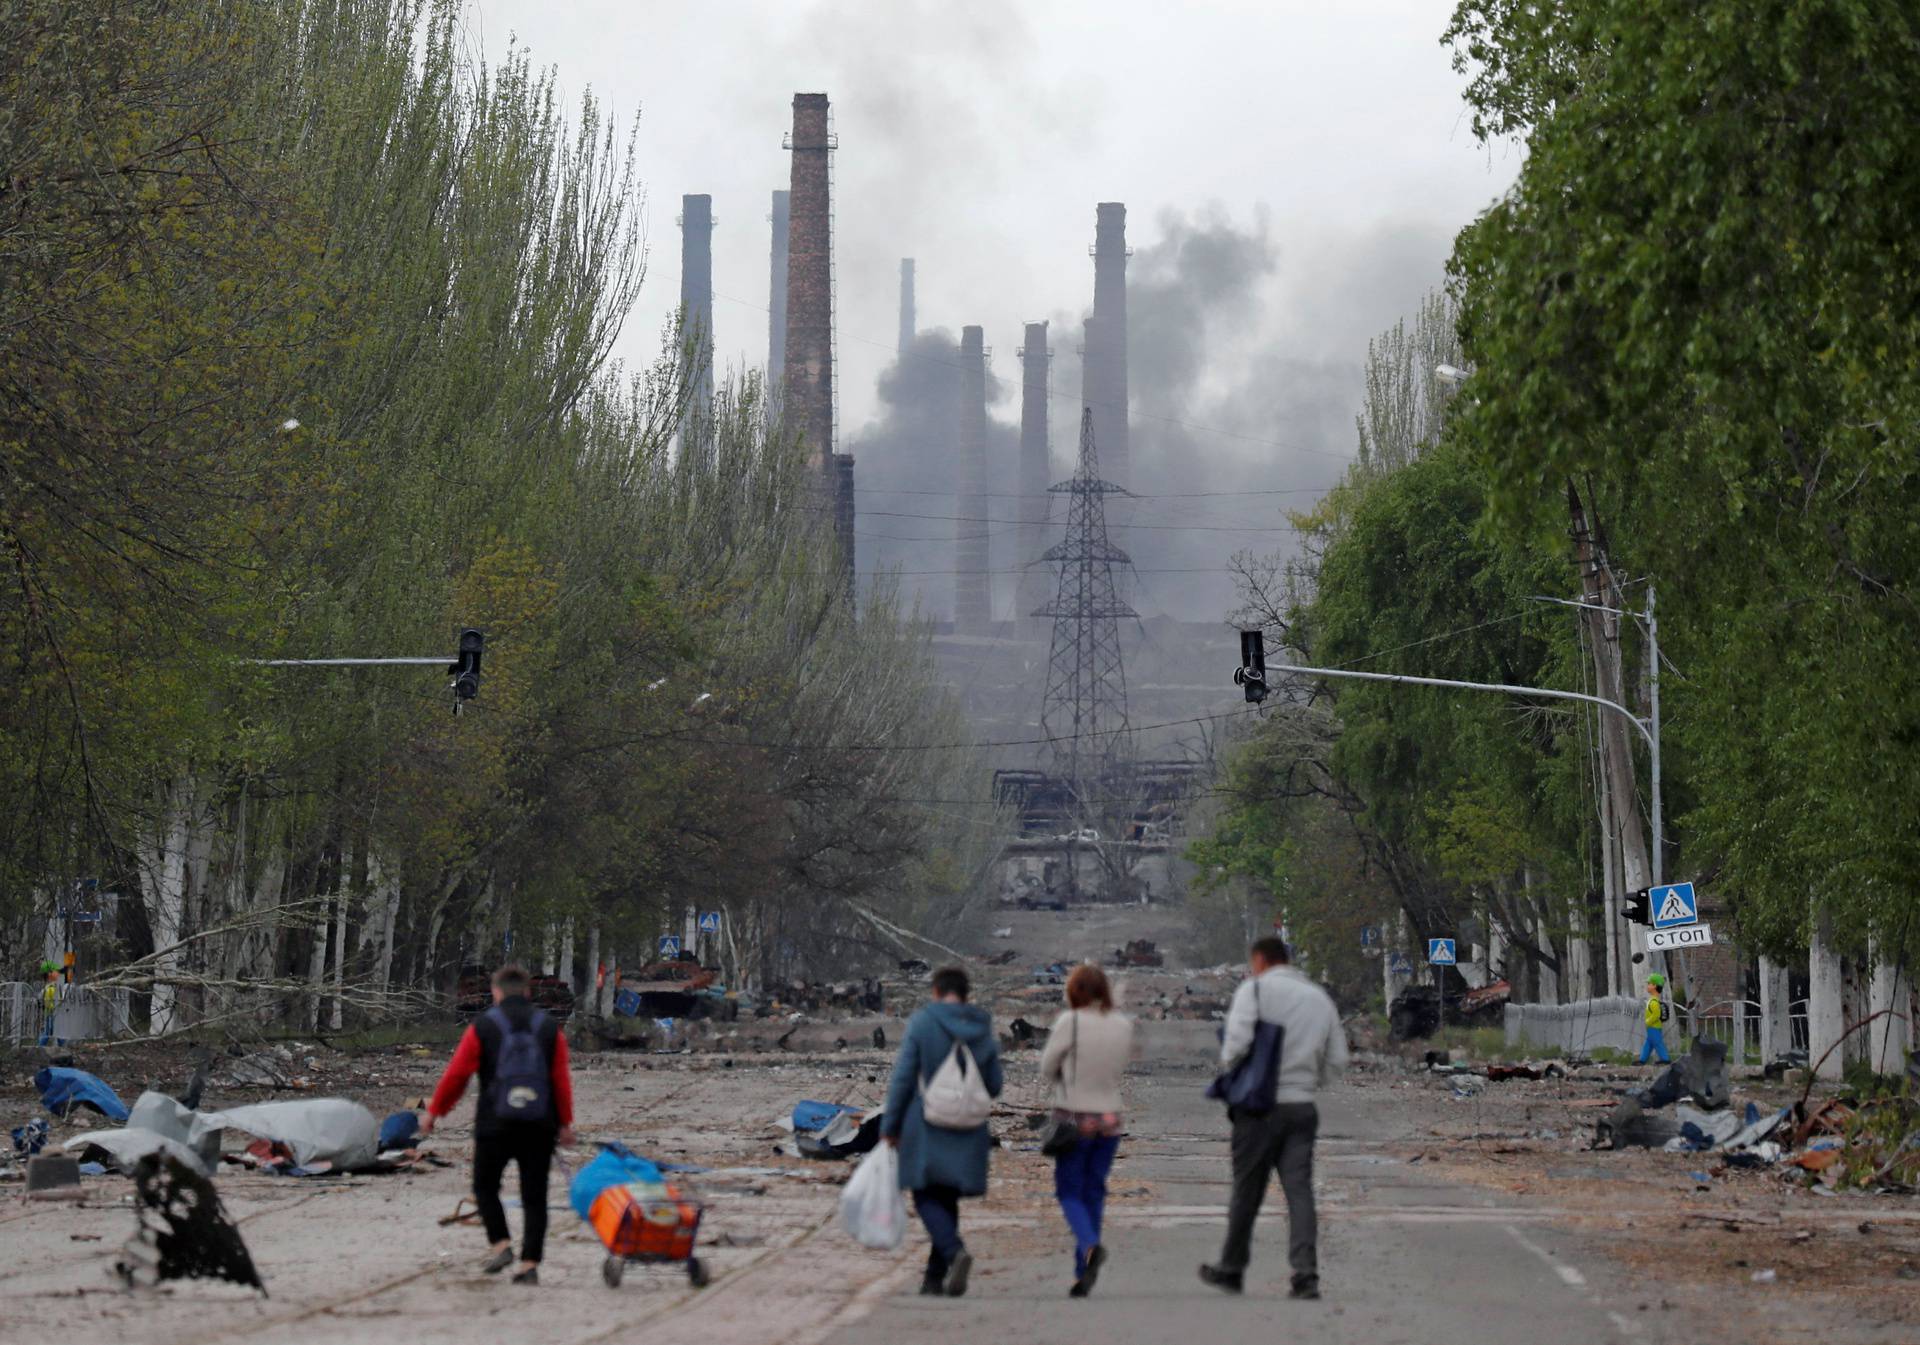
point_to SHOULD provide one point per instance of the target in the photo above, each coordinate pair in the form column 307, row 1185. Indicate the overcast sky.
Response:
column 1323, row 147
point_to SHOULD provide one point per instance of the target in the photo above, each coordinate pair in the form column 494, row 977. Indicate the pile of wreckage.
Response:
column 1862, row 1142
column 171, row 1149
column 1867, row 1143
column 303, row 1138
column 1418, row 1012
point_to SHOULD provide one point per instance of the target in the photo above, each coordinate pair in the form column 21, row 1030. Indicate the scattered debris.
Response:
column 331, row 1131
column 1025, row 1036
column 184, row 1230
column 1139, row 953
column 53, row 1177
column 31, row 1138
column 1502, row 1073
column 157, row 1124
column 61, row 1090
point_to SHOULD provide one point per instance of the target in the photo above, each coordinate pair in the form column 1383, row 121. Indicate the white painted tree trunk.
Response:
column 1891, row 1037
column 385, row 887
column 258, row 961
column 1776, row 1013
column 166, row 883
column 342, row 899
column 317, row 961
column 1826, row 1012
column 593, row 968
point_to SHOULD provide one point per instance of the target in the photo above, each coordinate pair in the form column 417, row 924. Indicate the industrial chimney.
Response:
column 696, row 304
column 973, row 585
column 1109, row 357
column 777, row 296
column 1036, row 475
column 809, row 346
column 906, row 304
column 808, row 393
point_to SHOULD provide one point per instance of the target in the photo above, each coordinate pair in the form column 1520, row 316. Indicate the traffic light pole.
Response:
column 1648, row 728
column 463, row 666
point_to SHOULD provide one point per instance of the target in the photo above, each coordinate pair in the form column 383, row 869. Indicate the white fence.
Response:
column 84, row 1014
column 1579, row 1028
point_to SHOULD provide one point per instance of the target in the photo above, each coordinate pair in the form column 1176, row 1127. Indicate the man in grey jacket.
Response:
column 1313, row 1051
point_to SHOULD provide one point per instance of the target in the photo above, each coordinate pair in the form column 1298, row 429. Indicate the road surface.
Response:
column 1429, row 1238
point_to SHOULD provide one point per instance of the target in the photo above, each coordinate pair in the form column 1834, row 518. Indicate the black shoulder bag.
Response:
column 1059, row 1135
column 1251, row 1084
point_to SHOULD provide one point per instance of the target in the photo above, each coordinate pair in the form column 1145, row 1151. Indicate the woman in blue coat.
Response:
column 938, row 1165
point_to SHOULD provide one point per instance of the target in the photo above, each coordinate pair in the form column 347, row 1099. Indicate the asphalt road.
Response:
column 1404, row 1257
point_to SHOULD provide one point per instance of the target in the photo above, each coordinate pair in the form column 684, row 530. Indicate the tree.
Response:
column 1695, row 300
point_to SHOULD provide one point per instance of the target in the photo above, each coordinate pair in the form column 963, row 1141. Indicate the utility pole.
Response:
column 1638, row 869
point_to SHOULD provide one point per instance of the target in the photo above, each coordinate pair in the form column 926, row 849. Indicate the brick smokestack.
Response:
column 777, row 295
column 906, row 305
column 809, row 353
column 696, row 301
column 1035, row 476
column 973, row 585
column 1110, row 355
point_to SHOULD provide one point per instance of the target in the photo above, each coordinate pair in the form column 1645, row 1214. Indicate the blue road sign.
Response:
column 669, row 945
column 1440, row 953
column 1400, row 964
column 1673, row 905
column 1369, row 936
column 709, row 922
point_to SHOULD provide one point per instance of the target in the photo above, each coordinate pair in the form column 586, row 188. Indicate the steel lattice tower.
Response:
column 1084, row 712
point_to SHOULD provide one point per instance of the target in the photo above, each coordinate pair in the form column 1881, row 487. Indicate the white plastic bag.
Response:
column 872, row 1209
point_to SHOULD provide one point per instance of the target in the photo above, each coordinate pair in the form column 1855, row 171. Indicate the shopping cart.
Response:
column 639, row 1216
column 647, row 1223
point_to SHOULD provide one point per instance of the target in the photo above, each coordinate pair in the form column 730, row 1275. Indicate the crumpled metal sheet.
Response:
column 317, row 1130
column 158, row 1125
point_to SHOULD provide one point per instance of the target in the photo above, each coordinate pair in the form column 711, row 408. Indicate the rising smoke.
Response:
column 1246, row 376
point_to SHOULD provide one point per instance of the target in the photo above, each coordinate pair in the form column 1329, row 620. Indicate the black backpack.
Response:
column 522, row 1087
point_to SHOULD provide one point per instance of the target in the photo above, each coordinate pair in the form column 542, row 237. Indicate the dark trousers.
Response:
column 531, row 1150
column 939, row 1211
column 1281, row 1141
column 1080, row 1185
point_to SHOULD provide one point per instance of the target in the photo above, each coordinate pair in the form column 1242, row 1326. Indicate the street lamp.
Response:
column 1448, row 373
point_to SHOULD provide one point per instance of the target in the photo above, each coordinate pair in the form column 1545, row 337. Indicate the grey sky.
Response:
column 1327, row 138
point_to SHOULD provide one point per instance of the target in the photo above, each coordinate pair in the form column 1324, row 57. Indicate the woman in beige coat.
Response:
column 1086, row 1056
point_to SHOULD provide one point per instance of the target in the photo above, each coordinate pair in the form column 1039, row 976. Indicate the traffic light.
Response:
column 1639, row 907
column 466, row 672
column 1251, row 675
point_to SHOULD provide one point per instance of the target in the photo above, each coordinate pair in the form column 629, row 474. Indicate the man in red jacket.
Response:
column 525, row 1107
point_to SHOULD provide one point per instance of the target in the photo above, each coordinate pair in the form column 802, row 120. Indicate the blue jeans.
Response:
column 939, row 1211
column 1080, row 1185
column 1656, row 1042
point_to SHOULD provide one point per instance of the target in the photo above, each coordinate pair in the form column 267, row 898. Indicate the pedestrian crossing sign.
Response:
column 669, row 945
column 1674, row 905
column 709, row 922
column 1440, row 952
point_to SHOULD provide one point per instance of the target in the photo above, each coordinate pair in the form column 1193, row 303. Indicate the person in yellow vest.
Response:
column 1656, row 1018
column 49, row 1005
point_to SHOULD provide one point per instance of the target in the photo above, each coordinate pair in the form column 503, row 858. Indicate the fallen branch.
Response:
column 1814, row 1073
column 899, row 935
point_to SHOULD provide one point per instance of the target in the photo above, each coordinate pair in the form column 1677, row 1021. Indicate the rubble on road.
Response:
column 335, row 1132
column 1418, row 1012
column 157, row 1124
column 62, row 1089
column 183, row 1232
column 1138, row 953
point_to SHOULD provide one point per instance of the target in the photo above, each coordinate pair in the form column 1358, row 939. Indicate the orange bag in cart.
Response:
column 645, row 1219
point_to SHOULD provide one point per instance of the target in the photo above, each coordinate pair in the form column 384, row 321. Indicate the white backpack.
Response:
column 955, row 1099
